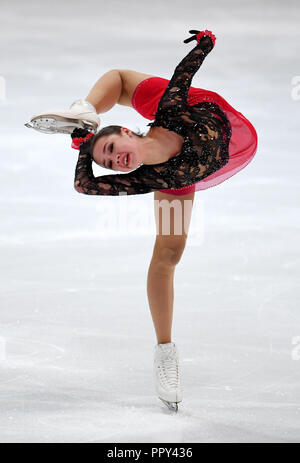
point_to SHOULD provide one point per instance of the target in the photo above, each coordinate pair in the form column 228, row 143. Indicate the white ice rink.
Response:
column 76, row 334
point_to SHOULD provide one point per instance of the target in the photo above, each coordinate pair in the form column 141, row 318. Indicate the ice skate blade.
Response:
column 47, row 124
column 173, row 406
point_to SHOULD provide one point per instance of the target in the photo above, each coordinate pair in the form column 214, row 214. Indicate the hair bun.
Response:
column 80, row 136
column 80, row 133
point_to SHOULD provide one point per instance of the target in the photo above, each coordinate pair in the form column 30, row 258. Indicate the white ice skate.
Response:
column 166, row 375
column 81, row 114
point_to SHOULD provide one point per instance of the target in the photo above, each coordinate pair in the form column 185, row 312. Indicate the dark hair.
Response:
column 109, row 130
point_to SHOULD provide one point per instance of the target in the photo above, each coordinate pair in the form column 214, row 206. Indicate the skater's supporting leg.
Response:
column 167, row 252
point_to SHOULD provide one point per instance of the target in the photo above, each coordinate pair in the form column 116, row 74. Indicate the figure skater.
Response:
column 196, row 141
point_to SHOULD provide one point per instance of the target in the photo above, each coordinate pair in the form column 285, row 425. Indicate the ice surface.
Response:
column 76, row 335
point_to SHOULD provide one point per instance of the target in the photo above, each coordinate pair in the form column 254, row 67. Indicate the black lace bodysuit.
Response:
column 205, row 128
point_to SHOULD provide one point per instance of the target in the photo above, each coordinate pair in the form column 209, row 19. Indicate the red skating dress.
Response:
column 243, row 142
column 218, row 140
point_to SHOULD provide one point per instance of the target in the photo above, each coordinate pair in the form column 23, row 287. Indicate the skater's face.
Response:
column 118, row 152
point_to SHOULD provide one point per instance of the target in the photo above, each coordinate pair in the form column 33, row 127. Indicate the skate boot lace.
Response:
column 168, row 370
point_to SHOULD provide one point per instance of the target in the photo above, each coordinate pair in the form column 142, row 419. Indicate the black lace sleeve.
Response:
column 139, row 181
column 176, row 93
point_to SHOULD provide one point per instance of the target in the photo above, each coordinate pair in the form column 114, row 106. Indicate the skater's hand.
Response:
column 194, row 37
column 199, row 34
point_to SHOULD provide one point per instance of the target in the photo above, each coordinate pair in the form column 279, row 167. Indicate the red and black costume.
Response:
column 218, row 140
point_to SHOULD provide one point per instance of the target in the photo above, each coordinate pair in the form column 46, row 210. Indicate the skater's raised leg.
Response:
column 83, row 113
column 114, row 87
column 106, row 92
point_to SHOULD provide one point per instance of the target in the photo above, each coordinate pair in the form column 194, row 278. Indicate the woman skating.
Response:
column 197, row 140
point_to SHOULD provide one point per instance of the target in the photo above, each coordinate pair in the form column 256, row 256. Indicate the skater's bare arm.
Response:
column 115, row 87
